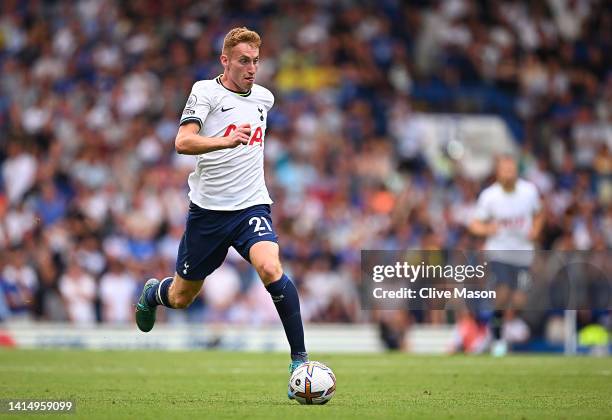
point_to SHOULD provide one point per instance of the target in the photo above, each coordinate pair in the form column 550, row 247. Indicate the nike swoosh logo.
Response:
column 226, row 109
column 262, row 234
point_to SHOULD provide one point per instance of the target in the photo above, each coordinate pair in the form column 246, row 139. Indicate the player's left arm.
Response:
column 536, row 225
column 538, row 217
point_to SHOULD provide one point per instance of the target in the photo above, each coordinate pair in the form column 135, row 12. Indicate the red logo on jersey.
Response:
column 229, row 129
column 257, row 136
column 513, row 222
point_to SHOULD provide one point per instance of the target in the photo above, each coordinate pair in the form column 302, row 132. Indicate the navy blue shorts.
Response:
column 209, row 234
column 516, row 277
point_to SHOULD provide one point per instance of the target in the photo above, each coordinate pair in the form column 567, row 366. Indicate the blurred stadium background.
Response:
column 387, row 118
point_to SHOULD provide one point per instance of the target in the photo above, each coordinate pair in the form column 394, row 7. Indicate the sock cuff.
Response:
column 277, row 287
column 162, row 291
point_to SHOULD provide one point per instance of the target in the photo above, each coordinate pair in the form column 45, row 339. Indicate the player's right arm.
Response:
column 482, row 224
column 482, row 228
column 189, row 142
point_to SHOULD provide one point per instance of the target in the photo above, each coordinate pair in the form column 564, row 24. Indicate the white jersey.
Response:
column 228, row 179
column 513, row 212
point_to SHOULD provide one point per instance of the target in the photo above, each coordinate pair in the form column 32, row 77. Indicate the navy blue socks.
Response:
column 285, row 298
column 496, row 324
column 158, row 294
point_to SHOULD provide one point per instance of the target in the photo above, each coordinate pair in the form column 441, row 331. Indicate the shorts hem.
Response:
column 252, row 242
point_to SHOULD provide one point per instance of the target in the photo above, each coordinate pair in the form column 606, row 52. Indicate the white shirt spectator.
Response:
column 25, row 281
column 117, row 291
column 16, row 224
column 78, row 289
column 222, row 287
column 24, row 276
column 19, row 173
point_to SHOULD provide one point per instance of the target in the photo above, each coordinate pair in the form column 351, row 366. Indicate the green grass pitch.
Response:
column 163, row 385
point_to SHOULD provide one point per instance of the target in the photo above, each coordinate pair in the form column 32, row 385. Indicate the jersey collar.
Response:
column 244, row 94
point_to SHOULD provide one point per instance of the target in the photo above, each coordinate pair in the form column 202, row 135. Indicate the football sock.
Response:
column 285, row 298
column 158, row 294
column 496, row 324
column 302, row 356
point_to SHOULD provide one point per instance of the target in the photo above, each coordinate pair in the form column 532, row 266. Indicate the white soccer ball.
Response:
column 312, row 383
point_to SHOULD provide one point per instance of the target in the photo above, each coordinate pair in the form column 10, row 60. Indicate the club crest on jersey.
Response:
column 257, row 136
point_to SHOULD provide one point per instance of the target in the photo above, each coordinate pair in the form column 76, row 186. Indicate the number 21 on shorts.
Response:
column 259, row 228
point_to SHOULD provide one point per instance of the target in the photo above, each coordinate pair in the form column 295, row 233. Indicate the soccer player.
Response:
column 224, row 124
column 508, row 214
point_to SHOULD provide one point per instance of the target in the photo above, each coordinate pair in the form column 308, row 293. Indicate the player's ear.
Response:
column 224, row 60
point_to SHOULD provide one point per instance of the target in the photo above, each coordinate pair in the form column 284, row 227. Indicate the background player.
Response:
column 224, row 124
column 508, row 214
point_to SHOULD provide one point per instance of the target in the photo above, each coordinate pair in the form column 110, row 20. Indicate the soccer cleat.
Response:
column 292, row 367
column 145, row 314
column 499, row 348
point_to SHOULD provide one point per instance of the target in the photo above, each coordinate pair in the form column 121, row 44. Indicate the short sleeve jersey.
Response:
column 513, row 212
column 228, row 179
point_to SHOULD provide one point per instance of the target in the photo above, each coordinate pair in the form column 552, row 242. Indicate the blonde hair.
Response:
column 238, row 35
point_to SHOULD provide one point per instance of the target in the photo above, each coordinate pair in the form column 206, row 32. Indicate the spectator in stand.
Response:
column 20, row 284
column 118, row 287
column 78, row 289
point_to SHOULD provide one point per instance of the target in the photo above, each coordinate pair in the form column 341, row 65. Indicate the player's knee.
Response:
column 269, row 271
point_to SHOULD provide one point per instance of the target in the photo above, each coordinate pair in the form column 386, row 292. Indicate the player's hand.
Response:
column 492, row 228
column 239, row 136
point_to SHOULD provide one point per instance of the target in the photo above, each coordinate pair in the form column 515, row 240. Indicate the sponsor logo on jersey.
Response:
column 257, row 136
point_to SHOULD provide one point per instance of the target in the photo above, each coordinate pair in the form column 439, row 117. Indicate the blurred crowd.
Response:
column 93, row 196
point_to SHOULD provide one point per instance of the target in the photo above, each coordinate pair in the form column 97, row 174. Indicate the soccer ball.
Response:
column 312, row 383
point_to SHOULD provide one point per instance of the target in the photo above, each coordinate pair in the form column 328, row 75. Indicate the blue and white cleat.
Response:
column 292, row 367
column 499, row 348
